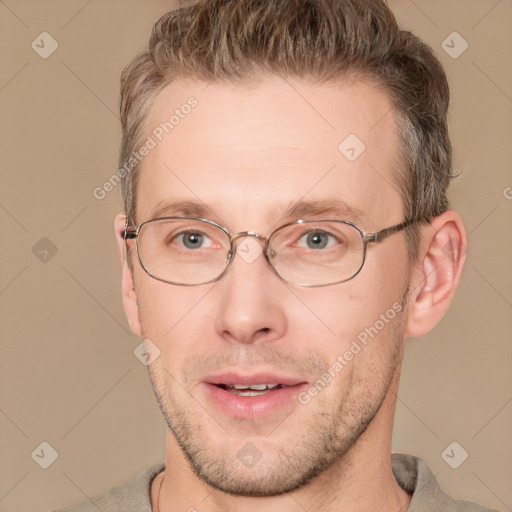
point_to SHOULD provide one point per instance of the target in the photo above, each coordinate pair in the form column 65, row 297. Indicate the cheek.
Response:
column 361, row 321
column 170, row 314
column 345, row 312
column 363, row 355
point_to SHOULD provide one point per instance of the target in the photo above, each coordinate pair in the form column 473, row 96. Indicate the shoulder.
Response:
column 415, row 477
column 131, row 496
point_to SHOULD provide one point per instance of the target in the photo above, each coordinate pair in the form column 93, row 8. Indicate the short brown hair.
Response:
column 311, row 39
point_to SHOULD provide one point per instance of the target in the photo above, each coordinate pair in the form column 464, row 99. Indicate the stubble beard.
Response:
column 325, row 438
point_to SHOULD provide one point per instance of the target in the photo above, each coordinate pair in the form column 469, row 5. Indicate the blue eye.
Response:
column 316, row 240
column 193, row 240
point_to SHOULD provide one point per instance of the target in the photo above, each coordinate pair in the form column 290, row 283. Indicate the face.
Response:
column 242, row 157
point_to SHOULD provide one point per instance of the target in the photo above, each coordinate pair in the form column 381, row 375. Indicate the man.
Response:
column 286, row 227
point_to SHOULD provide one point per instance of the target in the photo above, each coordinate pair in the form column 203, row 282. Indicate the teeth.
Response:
column 254, row 393
column 256, row 387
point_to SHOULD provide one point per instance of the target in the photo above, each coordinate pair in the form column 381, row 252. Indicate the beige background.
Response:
column 67, row 371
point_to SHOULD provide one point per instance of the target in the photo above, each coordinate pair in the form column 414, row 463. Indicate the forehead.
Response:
column 248, row 152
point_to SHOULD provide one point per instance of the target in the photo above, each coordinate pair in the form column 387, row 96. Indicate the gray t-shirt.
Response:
column 411, row 473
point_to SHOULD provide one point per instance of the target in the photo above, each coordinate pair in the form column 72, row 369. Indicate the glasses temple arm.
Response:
column 130, row 232
column 380, row 235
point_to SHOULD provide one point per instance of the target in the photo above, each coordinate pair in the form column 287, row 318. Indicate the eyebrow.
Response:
column 330, row 208
column 183, row 208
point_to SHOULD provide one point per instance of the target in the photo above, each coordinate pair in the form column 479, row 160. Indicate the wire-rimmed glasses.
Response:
column 190, row 251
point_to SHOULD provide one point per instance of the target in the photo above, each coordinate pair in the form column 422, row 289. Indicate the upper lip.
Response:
column 231, row 378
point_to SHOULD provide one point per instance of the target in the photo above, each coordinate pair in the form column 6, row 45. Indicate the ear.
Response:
column 129, row 294
column 437, row 272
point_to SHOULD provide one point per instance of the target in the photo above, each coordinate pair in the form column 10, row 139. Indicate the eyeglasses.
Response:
column 190, row 251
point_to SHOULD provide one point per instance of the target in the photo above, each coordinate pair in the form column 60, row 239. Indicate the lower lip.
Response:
column 251, row 407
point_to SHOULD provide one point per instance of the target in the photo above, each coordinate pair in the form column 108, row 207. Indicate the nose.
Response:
column 252, row 298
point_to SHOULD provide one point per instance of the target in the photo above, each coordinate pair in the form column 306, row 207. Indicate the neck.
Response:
column 360, row 481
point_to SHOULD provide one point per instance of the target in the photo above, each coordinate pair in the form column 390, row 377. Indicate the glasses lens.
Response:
column 317, row 253
column 183, row 251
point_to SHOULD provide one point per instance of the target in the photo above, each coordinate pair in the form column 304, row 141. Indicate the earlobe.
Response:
column 437, row 273
column 129, row 295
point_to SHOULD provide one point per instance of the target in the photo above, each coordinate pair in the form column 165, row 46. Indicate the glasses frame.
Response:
column 131, row 232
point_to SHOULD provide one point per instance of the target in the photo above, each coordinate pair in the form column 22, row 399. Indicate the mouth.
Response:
column 251, row 390
column 252, row 396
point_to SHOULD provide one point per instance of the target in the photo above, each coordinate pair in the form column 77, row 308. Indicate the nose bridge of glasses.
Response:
column 237, row 237
column 242, row 234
